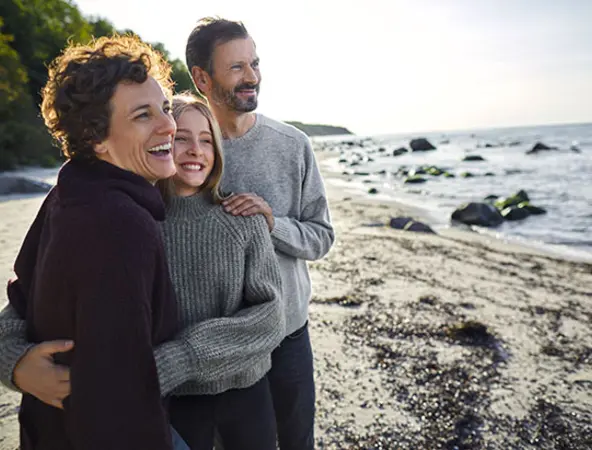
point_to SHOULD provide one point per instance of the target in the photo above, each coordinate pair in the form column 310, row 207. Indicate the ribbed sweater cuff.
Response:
column 281, row 229
column 10, row 354
column 172, row 367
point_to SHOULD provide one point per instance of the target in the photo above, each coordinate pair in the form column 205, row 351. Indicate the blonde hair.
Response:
column 183, row 102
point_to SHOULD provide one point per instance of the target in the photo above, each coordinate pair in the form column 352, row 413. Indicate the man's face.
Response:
column 235, row 75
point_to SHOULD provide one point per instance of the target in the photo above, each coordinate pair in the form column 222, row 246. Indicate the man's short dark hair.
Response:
column 207, row 34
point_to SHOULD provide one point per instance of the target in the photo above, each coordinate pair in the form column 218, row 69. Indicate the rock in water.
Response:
column 539, row 147
column 421, row 145
column 473, row 158
column 515, row 213
column 482, row 214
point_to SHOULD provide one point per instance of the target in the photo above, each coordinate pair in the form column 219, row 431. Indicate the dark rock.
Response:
column 574, row 148
column 21, row 185
column 474, row 213
column 421, row 145
column 372, row 191
column 363, row 174
column 408, row 224
column 514, row 200
column 435, row 171
column 470, row 333
column 473, row 158
column 515, row 213
column 400, row 151
column 466, row 175
column 382, row 149
column 414, row 179
column 533, row 210
column 489, row 174
column 448, row 175
column 539, row 147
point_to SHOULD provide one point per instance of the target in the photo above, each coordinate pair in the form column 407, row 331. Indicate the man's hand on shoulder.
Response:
column 249, row 204
column 38, row 375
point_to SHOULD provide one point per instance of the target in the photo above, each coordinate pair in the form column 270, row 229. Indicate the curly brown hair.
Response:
column 82, row 80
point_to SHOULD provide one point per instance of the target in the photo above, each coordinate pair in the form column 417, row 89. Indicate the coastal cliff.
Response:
column 319, row 130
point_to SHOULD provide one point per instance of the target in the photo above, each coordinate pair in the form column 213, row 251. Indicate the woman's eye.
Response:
column 143, row 115
column 179, row 139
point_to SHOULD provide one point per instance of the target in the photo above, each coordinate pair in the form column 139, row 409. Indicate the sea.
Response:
column 560, row 180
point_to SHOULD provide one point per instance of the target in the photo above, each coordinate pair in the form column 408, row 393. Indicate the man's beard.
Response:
column 229, row 98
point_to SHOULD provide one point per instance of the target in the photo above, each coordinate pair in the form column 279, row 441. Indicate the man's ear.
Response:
column 201, row 79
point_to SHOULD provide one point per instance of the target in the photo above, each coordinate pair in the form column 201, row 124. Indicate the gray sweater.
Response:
column 228, row 287
column 276, row 161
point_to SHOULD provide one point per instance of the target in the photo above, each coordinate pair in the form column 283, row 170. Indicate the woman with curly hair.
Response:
column 92, row 268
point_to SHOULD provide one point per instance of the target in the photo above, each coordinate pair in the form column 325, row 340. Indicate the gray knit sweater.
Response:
column 276, row 161
column 228, row 287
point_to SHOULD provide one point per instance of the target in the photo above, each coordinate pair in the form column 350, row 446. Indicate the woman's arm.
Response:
column 224, row 346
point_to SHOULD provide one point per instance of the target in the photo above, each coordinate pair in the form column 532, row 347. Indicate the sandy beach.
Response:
column 426, row 341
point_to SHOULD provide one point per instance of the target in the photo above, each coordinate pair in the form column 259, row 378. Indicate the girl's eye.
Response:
column 167, row 109
column 206, row 141
column 179, row 139
column 143, row 115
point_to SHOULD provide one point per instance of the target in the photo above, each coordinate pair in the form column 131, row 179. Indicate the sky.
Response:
column 395, row 66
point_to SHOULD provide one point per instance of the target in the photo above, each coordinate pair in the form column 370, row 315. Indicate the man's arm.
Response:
column 311, row 236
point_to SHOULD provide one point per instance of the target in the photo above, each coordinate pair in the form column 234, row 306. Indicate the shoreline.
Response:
column 355, row 189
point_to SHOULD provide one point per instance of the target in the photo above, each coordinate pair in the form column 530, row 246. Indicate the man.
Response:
column 271, row 168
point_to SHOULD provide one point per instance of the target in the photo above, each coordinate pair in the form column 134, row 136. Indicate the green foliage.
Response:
column 33, row 33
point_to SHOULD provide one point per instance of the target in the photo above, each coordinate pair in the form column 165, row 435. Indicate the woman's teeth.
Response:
column 192, row 166
column 162, row 149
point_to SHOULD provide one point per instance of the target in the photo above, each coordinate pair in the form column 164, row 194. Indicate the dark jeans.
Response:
column 292, row 386
column 244, row 418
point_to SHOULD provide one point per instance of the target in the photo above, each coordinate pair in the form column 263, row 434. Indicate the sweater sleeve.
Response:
column 115, row 400
column 13, row 339
column 221, row 347
column 312, row 235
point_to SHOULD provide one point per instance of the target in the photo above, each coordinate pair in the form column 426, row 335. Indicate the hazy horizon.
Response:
column 400, row 66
